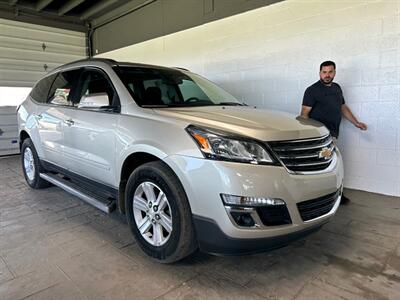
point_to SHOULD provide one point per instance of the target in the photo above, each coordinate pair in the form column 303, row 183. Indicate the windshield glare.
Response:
column 172, row 88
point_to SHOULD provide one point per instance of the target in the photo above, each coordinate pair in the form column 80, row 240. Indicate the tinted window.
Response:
column 62, row 90
column 191, row 90
column 168, row 93
column 40, row 91
column 169, row 87
column 95, row 82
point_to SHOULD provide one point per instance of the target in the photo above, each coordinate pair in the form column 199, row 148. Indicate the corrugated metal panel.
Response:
column 28, row 51
column 8, row 131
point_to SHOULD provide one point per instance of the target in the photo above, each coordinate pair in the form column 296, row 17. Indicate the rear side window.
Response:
column 41, row 90
column 62, row 91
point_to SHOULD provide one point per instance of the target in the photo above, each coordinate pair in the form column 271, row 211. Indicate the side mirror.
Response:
column 97, row 100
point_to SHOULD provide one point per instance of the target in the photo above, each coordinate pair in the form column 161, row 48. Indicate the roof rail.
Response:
column 181, row 69
column 105, row 60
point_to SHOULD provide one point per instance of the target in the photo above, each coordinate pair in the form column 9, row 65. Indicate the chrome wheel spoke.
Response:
column 145, row 226
column 159, row 197
column 140, row 203
column 26, row 164
column 162, row 203
column 157, row 234
column 149, row 192
column 166, row 222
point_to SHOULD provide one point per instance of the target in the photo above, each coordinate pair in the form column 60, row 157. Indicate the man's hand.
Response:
column 305, row 111
column 361, row 125
column 349, row 116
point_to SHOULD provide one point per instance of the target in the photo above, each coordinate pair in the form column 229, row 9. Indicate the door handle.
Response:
column 69, row 122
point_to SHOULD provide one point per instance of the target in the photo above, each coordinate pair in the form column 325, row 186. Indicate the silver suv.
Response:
column 188, row 164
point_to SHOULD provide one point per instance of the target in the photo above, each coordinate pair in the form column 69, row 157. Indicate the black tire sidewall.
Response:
column 161, row 178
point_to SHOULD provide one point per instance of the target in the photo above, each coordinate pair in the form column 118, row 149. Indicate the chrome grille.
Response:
column 304, row 155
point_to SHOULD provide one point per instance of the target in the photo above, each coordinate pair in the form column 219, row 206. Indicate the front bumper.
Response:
column 212, row 240
column 204, row 180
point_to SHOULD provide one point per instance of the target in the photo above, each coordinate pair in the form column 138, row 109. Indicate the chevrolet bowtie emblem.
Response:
column 325, row 153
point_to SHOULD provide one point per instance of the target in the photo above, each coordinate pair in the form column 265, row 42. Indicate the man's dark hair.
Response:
column 327, row 63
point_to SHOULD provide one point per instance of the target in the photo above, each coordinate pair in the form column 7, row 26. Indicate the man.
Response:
column 323, row 101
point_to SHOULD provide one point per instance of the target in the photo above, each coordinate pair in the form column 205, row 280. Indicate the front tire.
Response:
column 31, row 166
column 159, row 214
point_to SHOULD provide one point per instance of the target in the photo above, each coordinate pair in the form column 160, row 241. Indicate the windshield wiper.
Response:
column 165, row 105
column 153, row 105
column 193, row 104
column 232, row 104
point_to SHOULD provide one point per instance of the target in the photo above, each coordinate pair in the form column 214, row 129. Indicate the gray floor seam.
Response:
column 8, row 268
column 70, row 280
column 177, row 286
column 39, row 291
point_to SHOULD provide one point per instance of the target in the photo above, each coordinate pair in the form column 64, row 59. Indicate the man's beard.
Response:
column 327, row 80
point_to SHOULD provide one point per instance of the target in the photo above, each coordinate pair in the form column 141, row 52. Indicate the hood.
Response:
column 261, row 124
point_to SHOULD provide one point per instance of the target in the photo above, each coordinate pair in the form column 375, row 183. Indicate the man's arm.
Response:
column 305, row 111
column 349, row 116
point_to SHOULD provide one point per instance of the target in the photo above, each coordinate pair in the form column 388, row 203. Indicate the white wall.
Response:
column 13, row 96
column 270, row 55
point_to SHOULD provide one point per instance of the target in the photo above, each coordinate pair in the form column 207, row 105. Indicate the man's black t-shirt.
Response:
column 326, row 102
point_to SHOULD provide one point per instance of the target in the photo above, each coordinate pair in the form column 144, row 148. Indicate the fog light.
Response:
column 243, row 219
column 250, row 201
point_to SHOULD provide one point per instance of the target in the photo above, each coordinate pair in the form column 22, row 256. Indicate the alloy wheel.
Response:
column 29, row 164
column 152, row 213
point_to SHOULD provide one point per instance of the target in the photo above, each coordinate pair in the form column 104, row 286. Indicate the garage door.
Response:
column 8, row 131
column 28, row 51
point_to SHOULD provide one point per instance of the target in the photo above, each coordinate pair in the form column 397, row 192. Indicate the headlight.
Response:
column 222, row 146
column 250, row 201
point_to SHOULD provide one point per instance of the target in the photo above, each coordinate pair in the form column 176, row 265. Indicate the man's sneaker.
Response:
column 344, row 200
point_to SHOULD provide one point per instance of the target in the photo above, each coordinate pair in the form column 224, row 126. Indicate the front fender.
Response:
column 28, row 123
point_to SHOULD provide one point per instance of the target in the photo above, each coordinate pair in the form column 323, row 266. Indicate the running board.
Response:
column 102, row 203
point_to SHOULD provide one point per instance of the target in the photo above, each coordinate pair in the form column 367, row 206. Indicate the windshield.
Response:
column 171, row 88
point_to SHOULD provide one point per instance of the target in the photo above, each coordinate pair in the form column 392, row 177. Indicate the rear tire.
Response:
column 159, row 214
column 31, row 166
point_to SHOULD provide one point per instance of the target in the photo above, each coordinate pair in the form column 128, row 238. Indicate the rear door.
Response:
column 47, row 133
column 90, row 138
column 53, row 114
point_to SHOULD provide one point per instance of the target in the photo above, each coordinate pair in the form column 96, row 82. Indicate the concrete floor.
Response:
column 53, row 246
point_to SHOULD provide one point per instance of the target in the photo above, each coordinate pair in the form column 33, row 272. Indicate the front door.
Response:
column 90, row 137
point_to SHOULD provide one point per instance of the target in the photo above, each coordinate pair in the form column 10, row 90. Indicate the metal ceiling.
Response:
column 70, row 14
